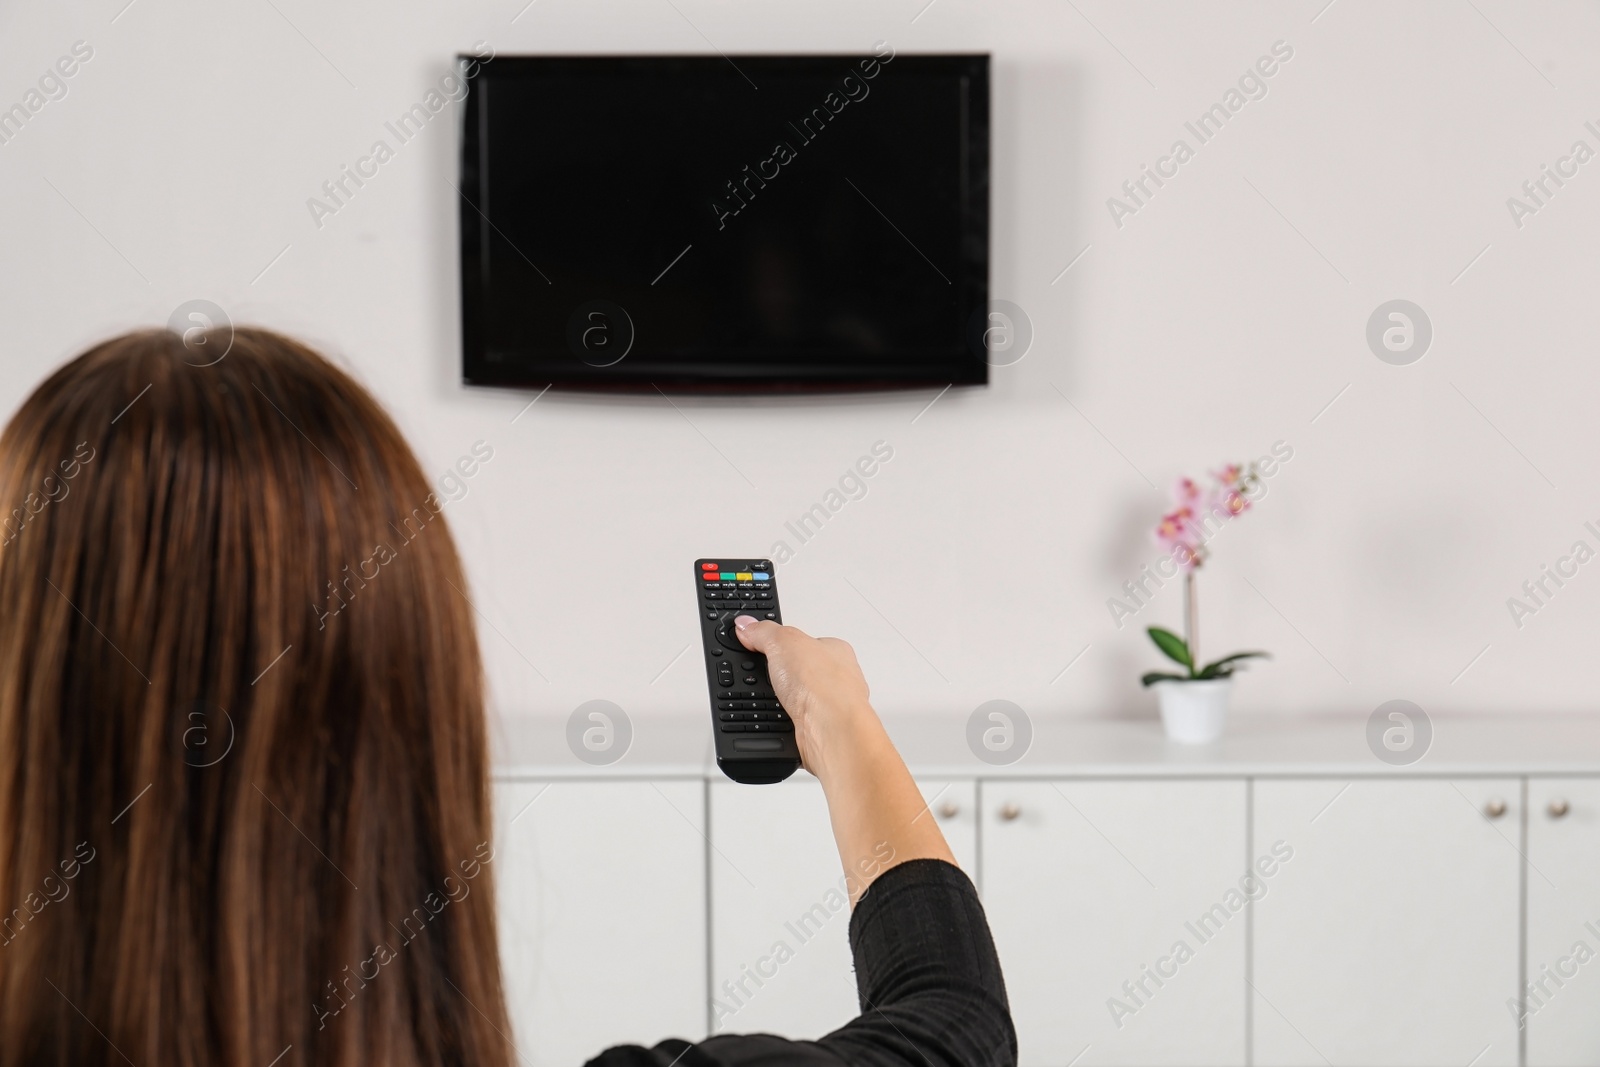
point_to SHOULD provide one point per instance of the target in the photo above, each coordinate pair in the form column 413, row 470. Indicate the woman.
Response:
column 242, row 736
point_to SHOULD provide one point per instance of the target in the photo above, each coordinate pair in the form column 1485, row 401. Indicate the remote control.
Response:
column 754, row 735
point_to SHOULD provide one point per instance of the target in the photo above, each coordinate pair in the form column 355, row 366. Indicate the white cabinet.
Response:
column 1116, row 909
column 1391, row 936
column 1156, row 921
column 602, row 910
column 780, row 949
column 1563, row 960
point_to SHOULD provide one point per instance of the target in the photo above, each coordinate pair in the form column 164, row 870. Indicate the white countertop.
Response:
column 1080, row 747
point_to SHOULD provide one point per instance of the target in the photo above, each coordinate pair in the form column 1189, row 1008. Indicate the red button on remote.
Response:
column 708, row 566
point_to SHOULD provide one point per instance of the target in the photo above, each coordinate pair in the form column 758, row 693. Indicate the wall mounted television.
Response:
column 743, row 223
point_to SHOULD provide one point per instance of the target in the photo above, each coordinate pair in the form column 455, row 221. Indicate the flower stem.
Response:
column 1191, row 620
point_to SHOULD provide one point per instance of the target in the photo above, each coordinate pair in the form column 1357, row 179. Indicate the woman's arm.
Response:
column 878, row 814
column 927, row 977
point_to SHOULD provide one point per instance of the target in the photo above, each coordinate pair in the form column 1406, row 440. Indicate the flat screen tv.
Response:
column 748, row 223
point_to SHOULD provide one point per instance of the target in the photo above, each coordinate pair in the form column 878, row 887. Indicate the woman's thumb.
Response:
column 756, row 634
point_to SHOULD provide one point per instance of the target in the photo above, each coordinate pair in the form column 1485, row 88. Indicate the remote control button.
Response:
column 744, row 576
column 733, row 728
column 727, row 716
column 725, row 681
column 761, row 576
column 757, row 744
column 748, row 665
column 773, row 615
column 749, row 679
column 783, row 727
column 708, row 566
column 762, row 585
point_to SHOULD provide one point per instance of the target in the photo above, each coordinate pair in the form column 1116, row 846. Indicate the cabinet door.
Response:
column 1563, row 962
column 1391, row 935
column 601, row 890
column 780, row 947
column 1094, row 891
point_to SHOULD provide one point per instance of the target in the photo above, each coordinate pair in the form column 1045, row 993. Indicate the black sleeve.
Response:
column 927, row 976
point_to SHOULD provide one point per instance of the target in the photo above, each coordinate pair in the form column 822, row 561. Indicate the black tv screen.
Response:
column 741, row 222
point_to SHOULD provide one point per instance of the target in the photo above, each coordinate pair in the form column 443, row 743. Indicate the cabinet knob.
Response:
column 949, row 809
column 1495, row 808
column 1558, row 808
column 1010, row 811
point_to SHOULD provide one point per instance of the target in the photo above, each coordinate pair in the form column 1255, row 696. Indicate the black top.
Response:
column 928, row 980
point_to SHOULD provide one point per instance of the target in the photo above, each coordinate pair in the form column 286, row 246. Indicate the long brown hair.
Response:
column 244, row 808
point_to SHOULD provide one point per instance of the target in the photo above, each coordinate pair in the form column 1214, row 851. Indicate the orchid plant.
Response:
column 1197, row 513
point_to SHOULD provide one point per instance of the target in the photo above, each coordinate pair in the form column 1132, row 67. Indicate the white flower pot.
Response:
column 1194, row 713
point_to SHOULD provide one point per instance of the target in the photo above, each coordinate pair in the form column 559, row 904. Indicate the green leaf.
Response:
column 1222, row 669
column 1240, row 655
column 1172, row 646
column 1161, row 676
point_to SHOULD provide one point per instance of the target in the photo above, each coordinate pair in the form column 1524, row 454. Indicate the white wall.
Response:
column 1222, row 317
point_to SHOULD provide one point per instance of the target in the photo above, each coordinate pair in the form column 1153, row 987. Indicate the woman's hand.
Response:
column 819, row 683
column 878, row 815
